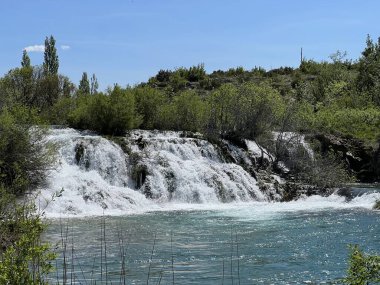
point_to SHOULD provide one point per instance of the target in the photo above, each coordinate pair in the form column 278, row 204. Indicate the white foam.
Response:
column 101, row 182
column 270, row 210
column 179, row 170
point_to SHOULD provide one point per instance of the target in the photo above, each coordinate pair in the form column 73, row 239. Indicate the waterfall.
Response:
column 144, row 170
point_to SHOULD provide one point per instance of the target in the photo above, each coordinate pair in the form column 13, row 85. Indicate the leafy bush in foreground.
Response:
column 23, row 258
column 24, row 157
column 363, row 268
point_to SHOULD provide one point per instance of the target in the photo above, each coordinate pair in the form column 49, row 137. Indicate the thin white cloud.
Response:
column 65, row 47
column 35, row 48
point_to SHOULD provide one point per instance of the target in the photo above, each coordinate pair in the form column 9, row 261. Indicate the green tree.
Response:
column 368, row 79
column 221, row 103
column 18, row 86
column 66, row 87
column 149, row 102
column 51, row 62
column 190, row 111
column 25, row 59
column 24, row 157
column 94, row 85
column 257, row 110
column 84, row 85
column 111, row 114
column 48, row 89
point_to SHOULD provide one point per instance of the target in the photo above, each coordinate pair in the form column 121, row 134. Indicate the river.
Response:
column 299, row 242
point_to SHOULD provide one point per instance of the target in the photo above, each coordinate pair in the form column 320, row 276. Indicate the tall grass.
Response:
column 101, row 268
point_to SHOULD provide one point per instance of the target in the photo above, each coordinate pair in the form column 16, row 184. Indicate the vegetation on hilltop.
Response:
column 338, row 97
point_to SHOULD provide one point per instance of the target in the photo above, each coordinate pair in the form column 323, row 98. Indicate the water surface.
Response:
column 302, row 242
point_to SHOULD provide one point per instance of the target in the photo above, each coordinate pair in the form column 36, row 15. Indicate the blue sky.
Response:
column 128, row 41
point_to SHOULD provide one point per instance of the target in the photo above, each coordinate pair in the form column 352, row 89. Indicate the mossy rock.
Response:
column 80, row 155
column 79, row 152
column 122, row 143
column 139, row 174
column 377, row 205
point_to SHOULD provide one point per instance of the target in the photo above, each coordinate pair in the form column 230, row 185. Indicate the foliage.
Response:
column 23, row 258
column 84, row 85
column 189, row 111
column 24, row 157
column 111, row 114
column 30, row 87
column 221, row 103
column 249, row 110
column 359, row 123
column 51, row 62
column 149, row 102
column 94, row 84
column 24, row 160
column 59, row 113
column 368, row 79
column 326, row 171
column 363, row 268
column 196, row 73
column 163, row 75
column 177, row 81
column 25, row 59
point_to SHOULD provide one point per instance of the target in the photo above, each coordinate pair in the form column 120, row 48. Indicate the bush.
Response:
column 324, row 171
column 111, row 114
column 163, row 75
column 248, row 111
column 149, row 102
column 196, row 73
column 359, row 123
column 24, row 157
column 59, row 112
column 23, row 258
column 190, row 111
column 363, row 268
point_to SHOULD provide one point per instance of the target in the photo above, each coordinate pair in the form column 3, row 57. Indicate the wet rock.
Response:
column 362, row 160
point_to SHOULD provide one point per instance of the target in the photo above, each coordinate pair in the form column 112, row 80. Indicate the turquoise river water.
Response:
column 301, row 242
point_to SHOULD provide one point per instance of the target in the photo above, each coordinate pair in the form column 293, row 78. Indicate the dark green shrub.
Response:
column 111, row 114
column 149, row 102
column 363, row 268
column 163, row 75
column 196, row 73
column 24, row 157
column 23, row 258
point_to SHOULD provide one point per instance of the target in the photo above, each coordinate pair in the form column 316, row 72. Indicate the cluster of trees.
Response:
column 337, row 96
column 24, row 160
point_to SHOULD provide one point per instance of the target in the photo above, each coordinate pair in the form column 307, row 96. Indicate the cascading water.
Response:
column 152, row 171
column 148, row 170
column 90, row 178
column 189, row 170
